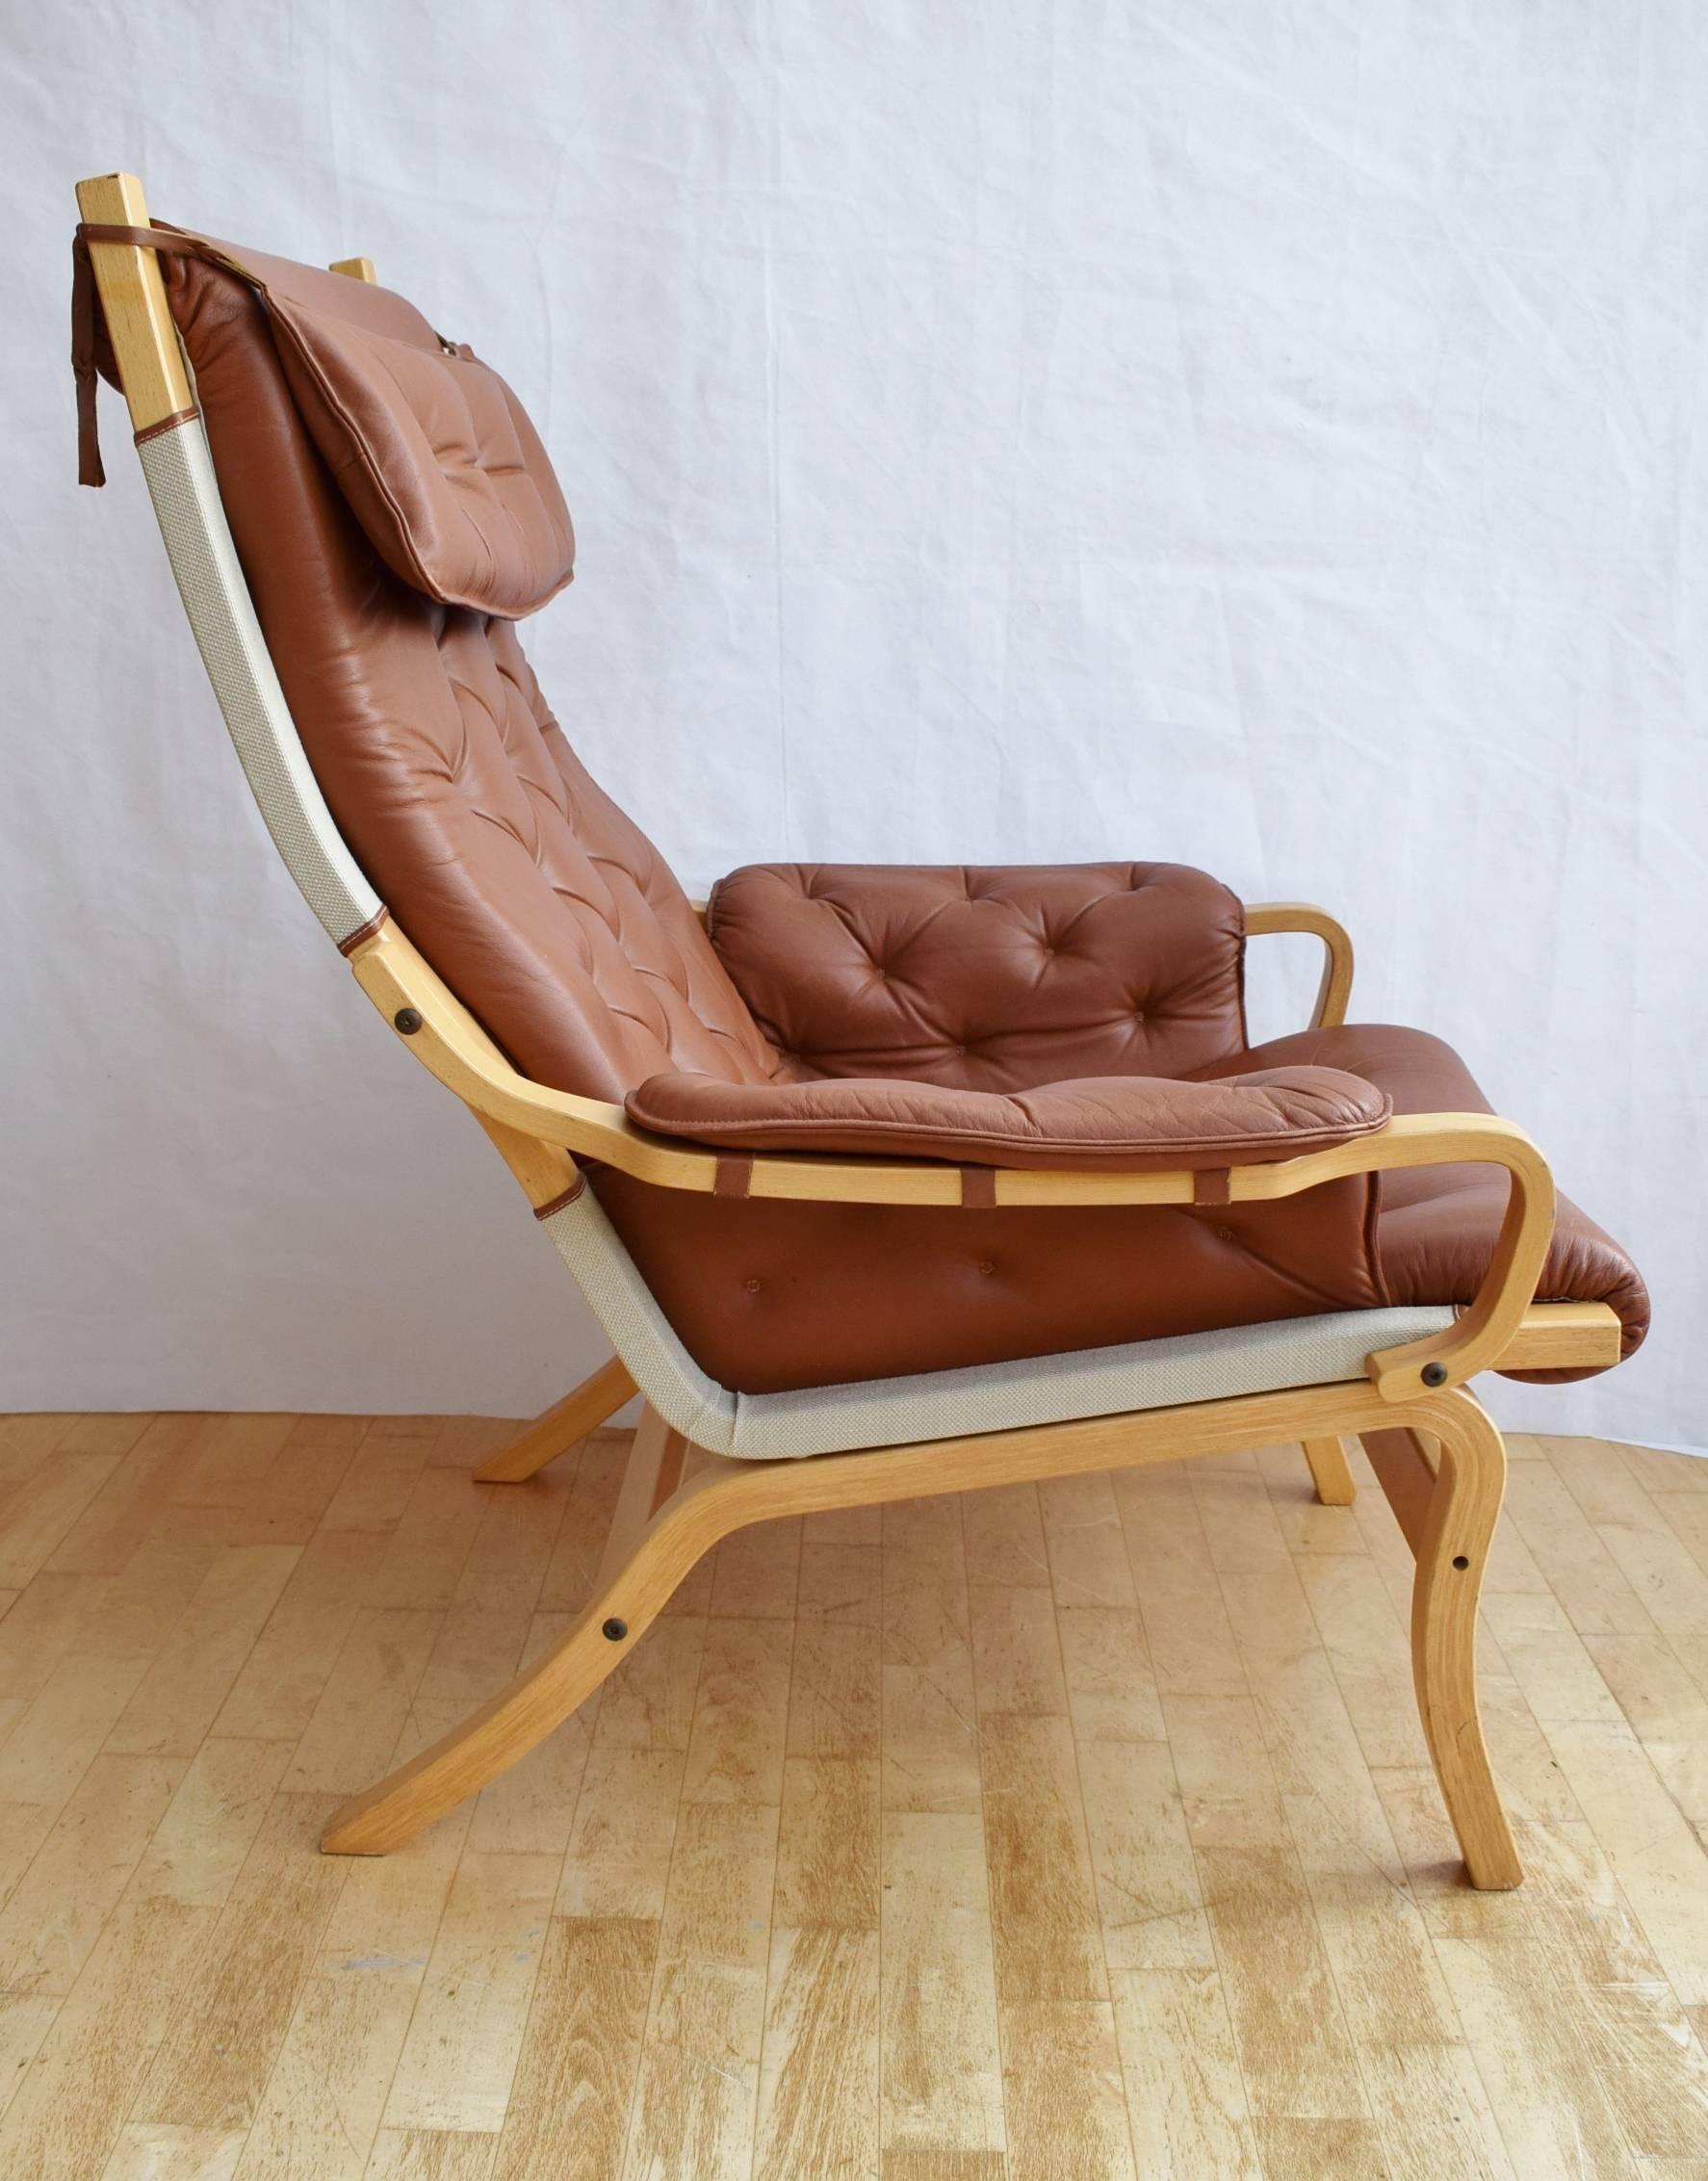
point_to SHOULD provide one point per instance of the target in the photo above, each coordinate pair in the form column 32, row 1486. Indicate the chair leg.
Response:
column 1452, row 1552
column 1328, row 1471
column 644, row 1561
column 541, row 1441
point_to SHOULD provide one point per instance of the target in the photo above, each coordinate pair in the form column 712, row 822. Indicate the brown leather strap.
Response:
column 86, row 303
column 733, row 1175
column 82, row 362
column 163, row 424
column 1214, row 1186
column 978, row 1188
column 568, row 1195
column 348, row 945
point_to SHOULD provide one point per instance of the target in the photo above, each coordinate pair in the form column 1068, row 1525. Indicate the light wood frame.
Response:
column 1439, row 1460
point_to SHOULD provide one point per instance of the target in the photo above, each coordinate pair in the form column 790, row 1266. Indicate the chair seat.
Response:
column 771, row 1297
column 1437, row 1224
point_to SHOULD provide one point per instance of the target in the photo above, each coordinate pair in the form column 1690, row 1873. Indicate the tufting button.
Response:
column 752, row 1285
column 1225, row 1234
column 987, row 1266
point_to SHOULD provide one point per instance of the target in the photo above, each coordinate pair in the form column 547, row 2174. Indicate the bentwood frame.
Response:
column 1439, row 1458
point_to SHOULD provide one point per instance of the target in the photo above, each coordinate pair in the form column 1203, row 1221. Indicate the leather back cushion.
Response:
column 543, row 907
column 991, row 977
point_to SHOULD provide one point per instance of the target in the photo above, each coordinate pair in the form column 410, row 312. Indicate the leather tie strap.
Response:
column 978, row 1188
column 733, row 1174
column 86, row 303
column 564, row 1197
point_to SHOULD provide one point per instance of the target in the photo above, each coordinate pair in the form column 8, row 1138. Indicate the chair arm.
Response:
column 1335, row 989
column 449, row 1041
column 1098, row 1123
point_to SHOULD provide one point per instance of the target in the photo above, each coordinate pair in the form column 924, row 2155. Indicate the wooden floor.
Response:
column 1083, row 1831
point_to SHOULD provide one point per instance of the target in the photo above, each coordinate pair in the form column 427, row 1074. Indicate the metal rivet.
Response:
column 616, row 1629
column 1460, row 1560
column 406, row 1020
column 1434, row 1374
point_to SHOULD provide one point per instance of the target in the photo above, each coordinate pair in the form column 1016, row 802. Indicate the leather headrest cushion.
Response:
column 435, row 455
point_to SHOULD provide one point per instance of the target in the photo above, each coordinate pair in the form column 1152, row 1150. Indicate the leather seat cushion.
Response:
column 1435, row 1226
column 767, row 1295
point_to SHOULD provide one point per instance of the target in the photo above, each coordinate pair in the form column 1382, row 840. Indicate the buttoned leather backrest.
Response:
column 545, row 909
column 987, row 977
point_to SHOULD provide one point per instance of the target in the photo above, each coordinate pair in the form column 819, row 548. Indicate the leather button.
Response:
column 987, row 1266
column 753, row 1286
column 1223, row 1235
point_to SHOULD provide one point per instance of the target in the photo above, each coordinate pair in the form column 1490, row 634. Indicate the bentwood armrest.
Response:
column 1334, row 991
column 445, row 1037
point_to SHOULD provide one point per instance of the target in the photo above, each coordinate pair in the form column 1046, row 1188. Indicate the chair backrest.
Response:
column 393, row 513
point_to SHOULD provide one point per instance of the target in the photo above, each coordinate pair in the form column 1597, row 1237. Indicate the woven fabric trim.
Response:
column 181, row 484
column 896, row 1412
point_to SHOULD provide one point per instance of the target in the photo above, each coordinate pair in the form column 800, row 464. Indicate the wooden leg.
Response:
column 677, row 1501
column 1328, row 1471
column 1452, row 1551
column 597, row 1398
column 643, row 1562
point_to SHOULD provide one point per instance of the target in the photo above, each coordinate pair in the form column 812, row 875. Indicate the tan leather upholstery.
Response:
column 766, row 1295
column 436, row 456
column 1133, row 1123
column 554, row 918
column 531, row 893
column 994, row 979
column 1437, row 1224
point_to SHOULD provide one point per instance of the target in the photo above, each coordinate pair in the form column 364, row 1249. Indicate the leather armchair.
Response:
column 881, row 1182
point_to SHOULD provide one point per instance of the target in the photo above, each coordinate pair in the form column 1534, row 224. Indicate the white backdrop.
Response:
column 1262, row 436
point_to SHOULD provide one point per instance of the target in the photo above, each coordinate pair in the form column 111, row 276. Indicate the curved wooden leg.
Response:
column 644, row 1561
column 1452, row 1552
column 579, row 1412
column 1328, row 1471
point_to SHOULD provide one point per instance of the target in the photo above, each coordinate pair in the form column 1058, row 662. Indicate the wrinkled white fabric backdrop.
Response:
column 1258, row 436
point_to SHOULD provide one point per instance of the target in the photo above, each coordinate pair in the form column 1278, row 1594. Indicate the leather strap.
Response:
column 978, row 1188
column 1214, row 1184
column 86, row 303
column 567, row 1196
column 733, row 1174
